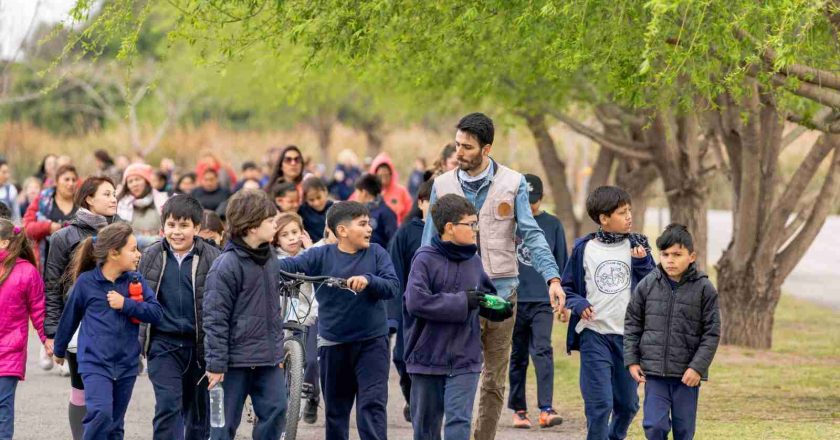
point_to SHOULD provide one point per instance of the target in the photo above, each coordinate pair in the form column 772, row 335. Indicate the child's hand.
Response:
column 305, row 240
column 49, row 346
column 214, row 378
column 638, row 252
column 691, row 378
column 58, row 360
column 115, row 300
column 637, row 373
column 588, row 314
column 357, row 283
column 564, row 315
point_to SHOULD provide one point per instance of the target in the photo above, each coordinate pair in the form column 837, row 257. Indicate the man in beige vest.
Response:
column 500, row 195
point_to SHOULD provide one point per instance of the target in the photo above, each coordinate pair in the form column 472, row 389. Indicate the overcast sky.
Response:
column 16, row 16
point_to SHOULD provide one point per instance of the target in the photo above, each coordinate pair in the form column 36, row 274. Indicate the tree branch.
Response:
column 629, row 149
column 826, row 121
column 818, row 77
column 790, row 256
column 813, row 92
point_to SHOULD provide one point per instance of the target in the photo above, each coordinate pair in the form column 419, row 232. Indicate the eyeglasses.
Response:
column 292, row 159
column 472, row 225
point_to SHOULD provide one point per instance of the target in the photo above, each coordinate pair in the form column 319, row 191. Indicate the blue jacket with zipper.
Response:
column 574, row 284
column 108, row 343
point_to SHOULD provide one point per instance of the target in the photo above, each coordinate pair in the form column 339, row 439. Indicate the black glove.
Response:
column 474, row 298
column 496, row 315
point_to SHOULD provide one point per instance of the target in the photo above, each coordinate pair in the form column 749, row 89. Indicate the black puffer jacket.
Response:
column 152, row 266
column 243, row 326
column 669, row 331
column 60, row 253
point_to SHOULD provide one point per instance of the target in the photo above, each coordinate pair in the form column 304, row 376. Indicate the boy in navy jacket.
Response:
column 352, row 326
column 176, row 269
column 604, row 268
column 382, row 218
column 443, row 300
column 671, row 333
column 402, row 248
column 243, row 326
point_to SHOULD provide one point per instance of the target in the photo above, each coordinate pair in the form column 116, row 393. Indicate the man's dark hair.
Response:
column 675, row 233
column 605, row 200
column 209, row 170
column 450, row 208
column 478, row 125
column 370, row 183
column 280, row 189
column 103, row 156
column 246, row 210
column 315, row 183
column 342, row 213
column 3, row 162
column 424, row 191
column 181, row 207
column 249, row 165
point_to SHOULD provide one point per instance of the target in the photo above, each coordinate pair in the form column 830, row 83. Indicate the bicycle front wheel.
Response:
column 293, row 365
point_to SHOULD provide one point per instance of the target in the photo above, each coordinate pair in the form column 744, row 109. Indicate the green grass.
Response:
column 789, row 392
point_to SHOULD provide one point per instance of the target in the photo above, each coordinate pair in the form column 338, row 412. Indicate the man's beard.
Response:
column 470, row 165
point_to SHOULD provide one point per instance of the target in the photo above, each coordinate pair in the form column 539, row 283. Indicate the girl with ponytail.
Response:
column 21, row 301
column 105, row 298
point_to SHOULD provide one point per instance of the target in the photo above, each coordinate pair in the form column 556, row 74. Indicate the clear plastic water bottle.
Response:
column 217, row 406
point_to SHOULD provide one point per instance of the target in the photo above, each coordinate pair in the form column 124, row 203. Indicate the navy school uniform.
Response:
column 383, row 221
column 243, row 337
column 534, row 320
column 353, row 351
column 108, row 347
column 402, row 249
column 609, row 392
column 314, row 221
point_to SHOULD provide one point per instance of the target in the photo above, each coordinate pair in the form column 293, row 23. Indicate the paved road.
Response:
column 41, row 411
column 814, row 278
column 42, row 399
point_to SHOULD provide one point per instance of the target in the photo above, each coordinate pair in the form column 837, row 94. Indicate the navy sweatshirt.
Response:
column 532, row 287
column 342, row 315
column 442, row 335
column 314, row 221
column 383, row 221
column 178, row 301
column 402, row 248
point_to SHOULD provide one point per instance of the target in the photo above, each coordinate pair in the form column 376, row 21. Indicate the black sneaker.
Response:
column 310, row 411
column 407, row 413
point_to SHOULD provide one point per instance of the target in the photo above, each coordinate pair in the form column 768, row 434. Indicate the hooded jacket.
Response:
column 442, row 335
column 243, row 326
column 21, row 300
column 395, row 195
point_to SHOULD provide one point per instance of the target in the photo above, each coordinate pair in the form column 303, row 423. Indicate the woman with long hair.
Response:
column 289, row 168
column 51, row 210
column 97, row 202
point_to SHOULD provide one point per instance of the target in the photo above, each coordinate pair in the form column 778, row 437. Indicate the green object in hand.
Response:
column 494, row 302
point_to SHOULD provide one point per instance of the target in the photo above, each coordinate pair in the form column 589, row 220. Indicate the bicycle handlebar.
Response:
column 309, row 279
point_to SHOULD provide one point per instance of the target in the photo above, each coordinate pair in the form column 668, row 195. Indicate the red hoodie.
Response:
column 395, row 195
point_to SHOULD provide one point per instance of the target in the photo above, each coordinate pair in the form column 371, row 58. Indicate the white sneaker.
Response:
column 64, row 370
column 44, row 361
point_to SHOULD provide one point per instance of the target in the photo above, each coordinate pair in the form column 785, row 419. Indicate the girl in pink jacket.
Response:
column 21, row 300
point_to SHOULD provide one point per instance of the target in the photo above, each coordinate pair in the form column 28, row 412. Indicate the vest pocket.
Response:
column 503, row 209
column 501, row 254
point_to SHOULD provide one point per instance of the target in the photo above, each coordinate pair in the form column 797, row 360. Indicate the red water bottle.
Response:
column 135, row 292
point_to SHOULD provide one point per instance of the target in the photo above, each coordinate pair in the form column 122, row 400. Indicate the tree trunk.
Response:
column 324, row 138
column 600, row 176
column 373, row 133
column 555, row 171
column 689, row 208
column 748, row 301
